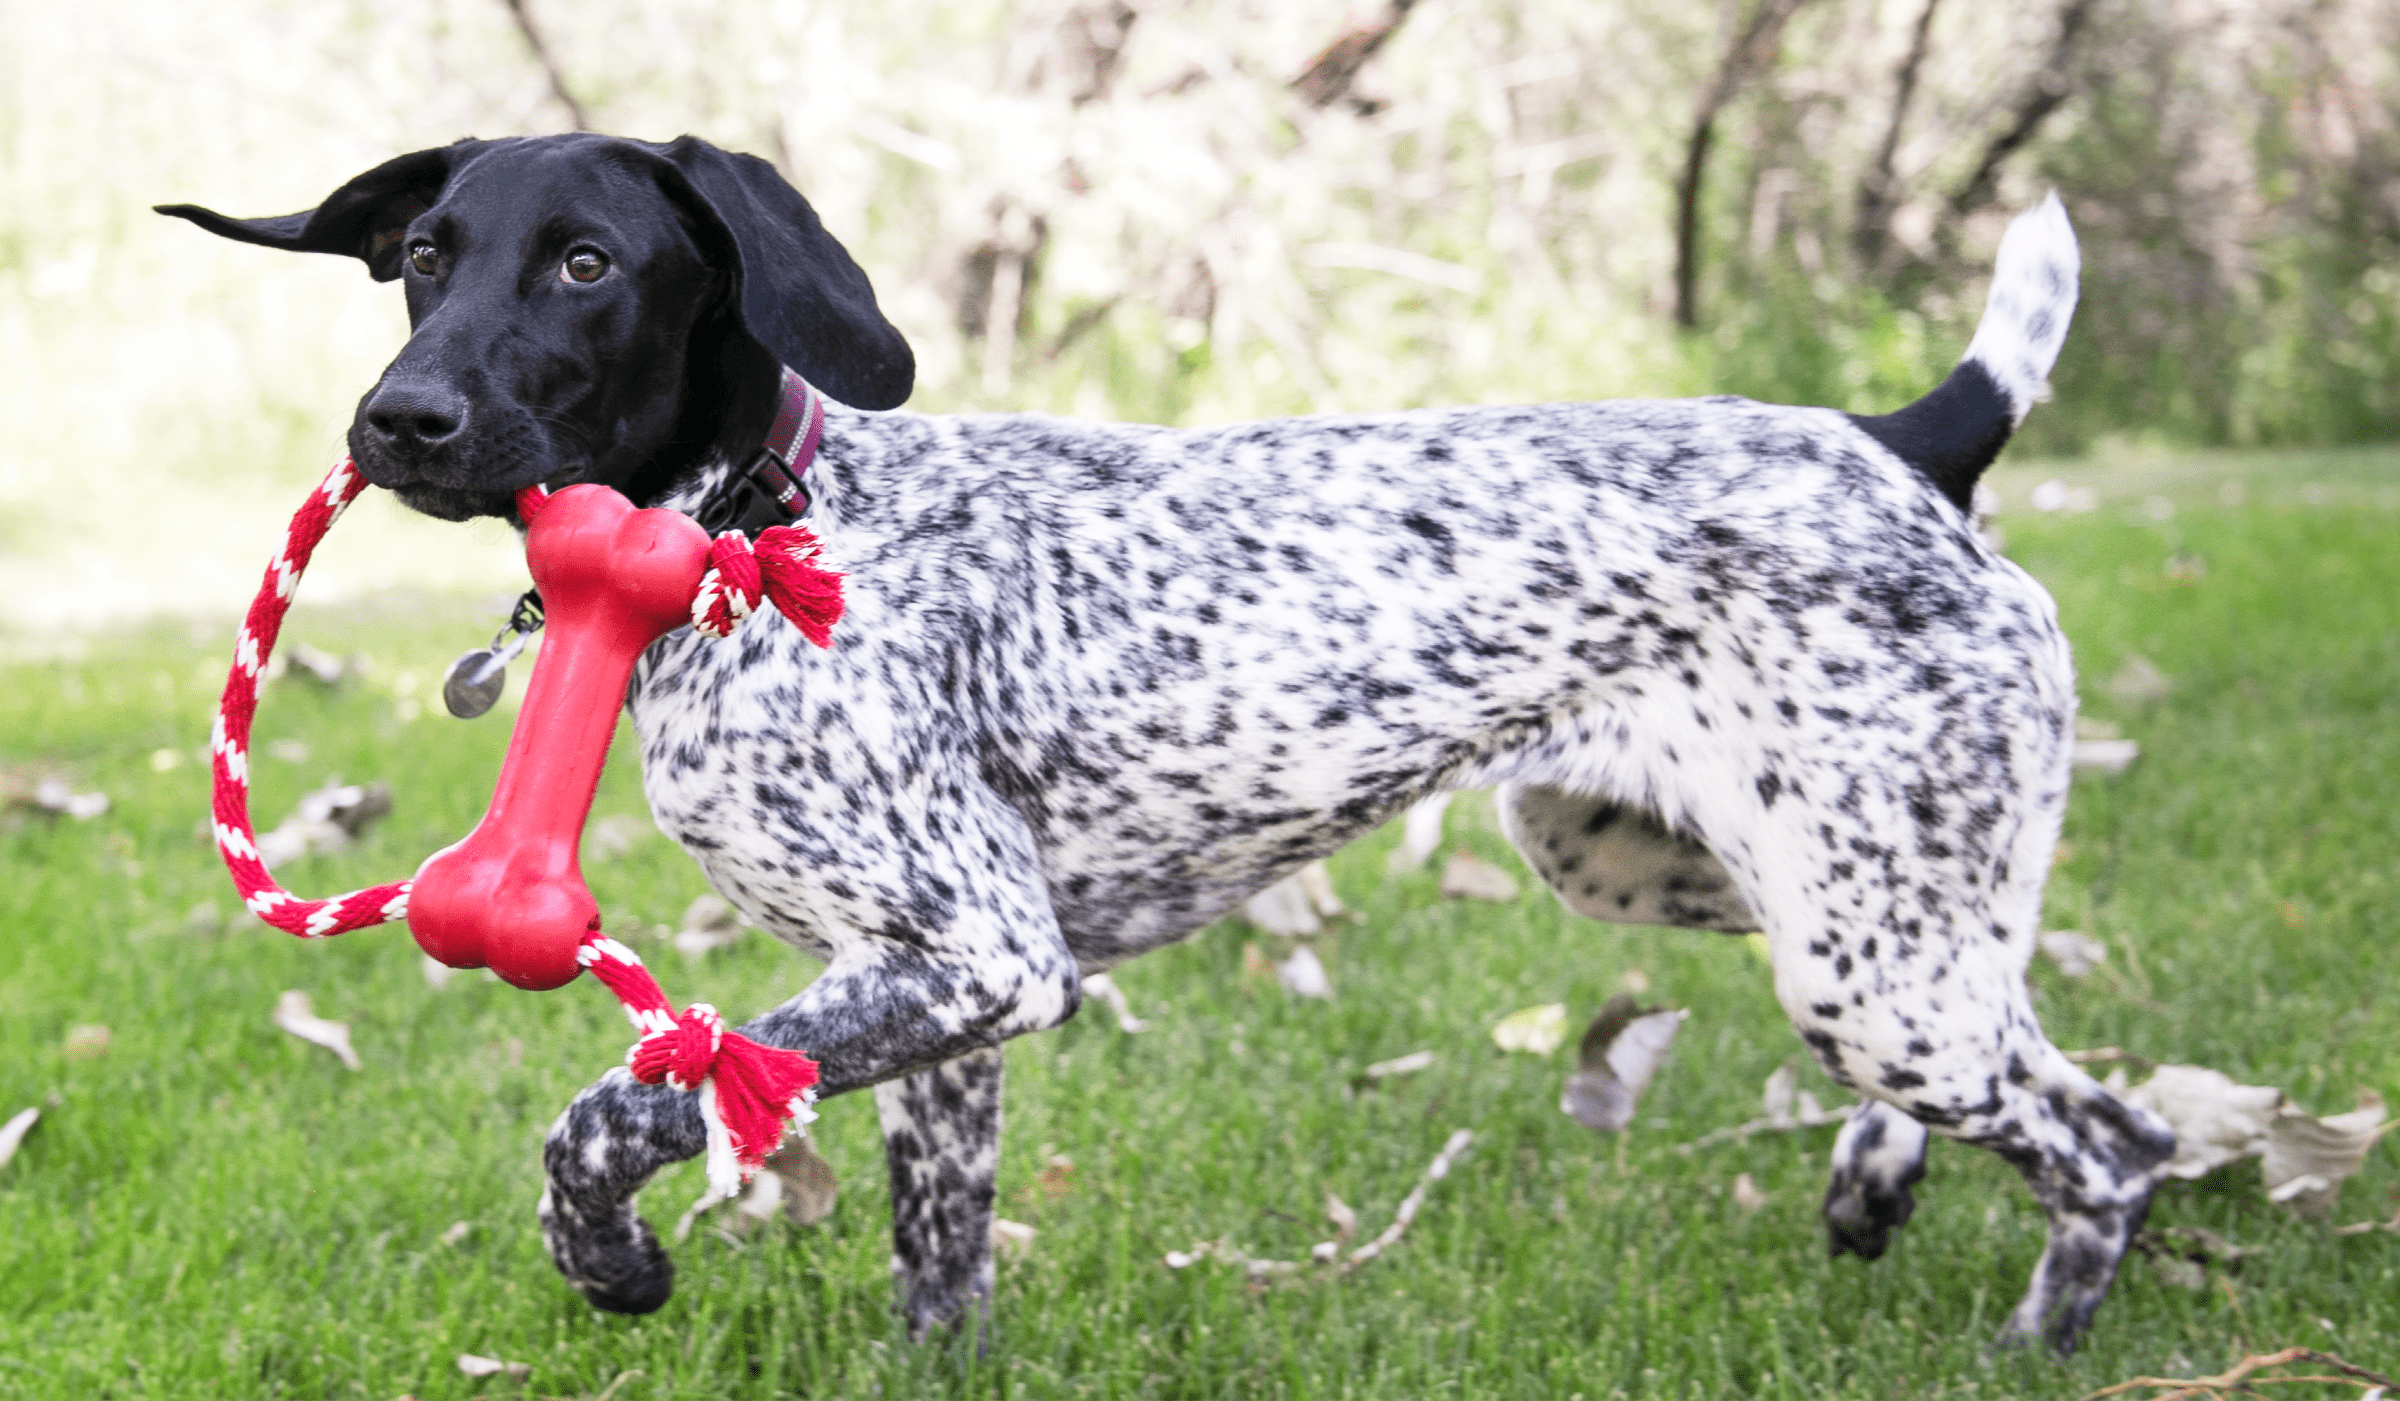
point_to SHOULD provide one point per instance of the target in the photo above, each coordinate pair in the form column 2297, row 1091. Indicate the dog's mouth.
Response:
column 456, row 486
column 454, row 503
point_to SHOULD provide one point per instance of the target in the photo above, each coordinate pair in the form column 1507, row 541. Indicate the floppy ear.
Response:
column 363, row 219
column 801, row 296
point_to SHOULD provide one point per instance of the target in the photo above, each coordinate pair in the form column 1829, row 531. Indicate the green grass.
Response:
column 212, row 1208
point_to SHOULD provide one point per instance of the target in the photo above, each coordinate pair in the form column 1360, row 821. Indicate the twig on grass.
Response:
column 2238, row 1378
column 1329, row 1252
column 1435, row 1171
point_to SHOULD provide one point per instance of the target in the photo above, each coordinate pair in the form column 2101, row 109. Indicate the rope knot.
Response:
column 684, row 1055
column 782, row 569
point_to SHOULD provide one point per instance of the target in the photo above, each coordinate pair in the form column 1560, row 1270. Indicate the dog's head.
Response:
column 587, row 309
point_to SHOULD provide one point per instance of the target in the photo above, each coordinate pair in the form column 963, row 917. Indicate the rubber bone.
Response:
column 511, row 896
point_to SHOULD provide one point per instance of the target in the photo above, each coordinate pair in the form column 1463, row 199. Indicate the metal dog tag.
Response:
column 474, row 682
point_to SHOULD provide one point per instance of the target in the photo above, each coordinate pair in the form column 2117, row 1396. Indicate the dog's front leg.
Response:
column 965, row 955
column 941, row 1139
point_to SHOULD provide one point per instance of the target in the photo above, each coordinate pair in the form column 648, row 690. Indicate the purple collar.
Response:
column 771, row 488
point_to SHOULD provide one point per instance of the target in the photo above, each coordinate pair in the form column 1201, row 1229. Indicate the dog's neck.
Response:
column 766, row 479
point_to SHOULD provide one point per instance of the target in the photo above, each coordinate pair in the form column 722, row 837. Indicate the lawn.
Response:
column 211, row 1207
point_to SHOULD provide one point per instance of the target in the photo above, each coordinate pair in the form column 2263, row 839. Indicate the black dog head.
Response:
column 587, row 308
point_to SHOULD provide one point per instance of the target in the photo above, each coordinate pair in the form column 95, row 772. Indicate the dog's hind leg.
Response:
column 1904, row 975
column 941, row 1139
column 1877, row 1157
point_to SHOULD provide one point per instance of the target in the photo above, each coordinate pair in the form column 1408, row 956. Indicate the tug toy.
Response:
column 511, row 896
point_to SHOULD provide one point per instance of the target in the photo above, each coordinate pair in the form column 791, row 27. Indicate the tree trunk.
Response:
column 2044, row 94
column 1751, row 52
column 1878, row 190
column 550, row 70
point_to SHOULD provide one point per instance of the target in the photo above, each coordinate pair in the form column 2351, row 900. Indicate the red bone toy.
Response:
column 511, row 896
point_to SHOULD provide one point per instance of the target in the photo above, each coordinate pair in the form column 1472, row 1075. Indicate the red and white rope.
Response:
column 747, row 1091
column 229, row 742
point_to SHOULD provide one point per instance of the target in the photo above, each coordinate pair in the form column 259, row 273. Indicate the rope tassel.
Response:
column 782, row 569
column 748, row 1092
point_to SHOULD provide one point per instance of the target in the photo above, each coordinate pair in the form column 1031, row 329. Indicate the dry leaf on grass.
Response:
column 2308, row 1158
column 1420, row 835
column 1746, row 1194
column 12, row 1134
column 1409, row 1064
column 51, row 798
column 709, row 923
column 1472, row 878
column 796, row 1184
column 2105, row 756
column 437, row 973
column 315, row 664
column 47, row 796
column 2139, row 682
column 2075, row 954
column 1536, row 1031
column 294, row 1015
column 2215, row 1120
column 85, row 1042
column 809, row 1190
column 1318, row 882
column 457, row 1232
column 327, row 820
column 1619, row 1054
column 1057, row 1177
column 1012, row 1237
column 1298, row 906
column 479, row 1367
column 1303, row 974
column 1105, row 988
column 1282, row 909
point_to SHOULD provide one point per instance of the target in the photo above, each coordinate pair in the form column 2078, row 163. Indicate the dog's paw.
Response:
column 614, row 1261
column 1861, row 1215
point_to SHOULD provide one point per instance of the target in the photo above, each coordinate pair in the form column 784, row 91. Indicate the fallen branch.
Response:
column 1328, row 1252
column 2239, row 1378
column 2359, row 1229
column 1435, row 1171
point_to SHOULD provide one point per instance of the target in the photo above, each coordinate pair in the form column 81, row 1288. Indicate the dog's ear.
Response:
column 800, row 295
column 363, row 219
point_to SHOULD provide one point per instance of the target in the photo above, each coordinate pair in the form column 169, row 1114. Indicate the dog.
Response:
column 1730, row 666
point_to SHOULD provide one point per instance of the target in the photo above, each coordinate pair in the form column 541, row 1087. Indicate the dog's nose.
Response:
column 413, row 413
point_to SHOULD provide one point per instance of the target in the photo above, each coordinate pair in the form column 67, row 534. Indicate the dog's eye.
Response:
column 583, row 265
column 422, row 257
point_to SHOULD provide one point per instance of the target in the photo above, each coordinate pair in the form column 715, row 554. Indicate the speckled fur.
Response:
column 1100, row 682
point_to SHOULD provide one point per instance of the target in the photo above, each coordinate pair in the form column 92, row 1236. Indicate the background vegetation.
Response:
column 1193, row 212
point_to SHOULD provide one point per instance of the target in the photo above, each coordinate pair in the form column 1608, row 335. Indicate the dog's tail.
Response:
column 1952, row 434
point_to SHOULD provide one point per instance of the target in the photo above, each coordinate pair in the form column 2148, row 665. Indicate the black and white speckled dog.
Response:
column 1731, row 666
